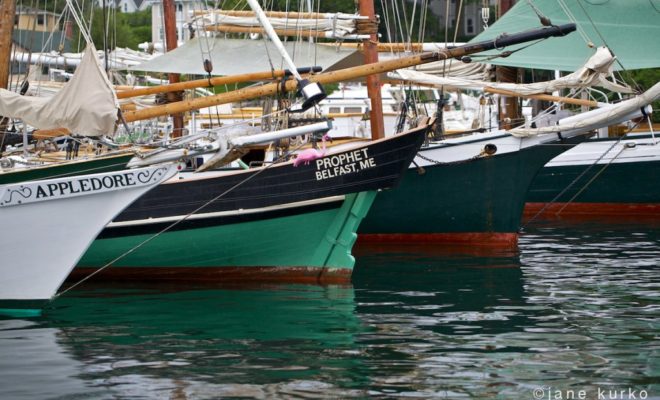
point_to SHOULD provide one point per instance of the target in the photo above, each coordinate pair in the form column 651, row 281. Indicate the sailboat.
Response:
column 272, row 223
column 600, row 178
column 610, row 176
column 488, row 175
column 472, row 189
column 50, row 220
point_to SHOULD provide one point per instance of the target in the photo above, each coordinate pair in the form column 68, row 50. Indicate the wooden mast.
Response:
column 373, row 81
column 218, row 80
column 169, row 17
column 509, row 111
column 348, row 73
column 7, row 12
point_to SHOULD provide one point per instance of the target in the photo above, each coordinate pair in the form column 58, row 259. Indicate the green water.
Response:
column 574, row 309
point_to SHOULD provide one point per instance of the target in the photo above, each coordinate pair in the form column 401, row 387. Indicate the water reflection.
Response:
column 202, row 343
column 575, row 308
column 434, row 314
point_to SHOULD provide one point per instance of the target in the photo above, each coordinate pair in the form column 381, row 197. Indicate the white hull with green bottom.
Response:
column 47, row 225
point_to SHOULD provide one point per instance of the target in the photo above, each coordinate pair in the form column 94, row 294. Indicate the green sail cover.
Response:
column 630, row 28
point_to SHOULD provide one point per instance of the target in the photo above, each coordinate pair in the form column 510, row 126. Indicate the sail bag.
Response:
column 86, row 105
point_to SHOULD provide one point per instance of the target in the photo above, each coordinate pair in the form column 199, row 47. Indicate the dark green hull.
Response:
column 605, row 189
column 471, row 201
column 633, row 182
column 78, row 167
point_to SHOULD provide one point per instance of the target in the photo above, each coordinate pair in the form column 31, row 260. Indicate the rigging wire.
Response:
column 175, row 223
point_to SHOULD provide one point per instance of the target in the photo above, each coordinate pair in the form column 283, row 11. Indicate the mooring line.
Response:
column 172, row 225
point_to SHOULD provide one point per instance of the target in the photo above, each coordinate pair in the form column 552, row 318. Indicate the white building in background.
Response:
column 184, row 13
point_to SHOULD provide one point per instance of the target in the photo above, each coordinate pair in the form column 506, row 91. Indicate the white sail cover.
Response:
column 86, row 105
column 339, row 25
column 597, row 118
column 593, row 73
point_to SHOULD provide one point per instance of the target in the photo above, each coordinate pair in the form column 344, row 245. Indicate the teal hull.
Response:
column 479, row 201
column 306, row 245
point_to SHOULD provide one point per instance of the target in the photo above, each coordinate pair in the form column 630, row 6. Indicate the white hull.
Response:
column 47, row 225
column 629, row 150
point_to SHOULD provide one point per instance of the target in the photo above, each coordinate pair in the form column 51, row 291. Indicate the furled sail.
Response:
column 608, row 115
column 593, row 73
column 337, row 25
column 86, row 105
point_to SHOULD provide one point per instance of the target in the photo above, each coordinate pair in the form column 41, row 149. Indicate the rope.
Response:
column 572, row 18
column 570, row 185
column 591, row 180
column 172, row 225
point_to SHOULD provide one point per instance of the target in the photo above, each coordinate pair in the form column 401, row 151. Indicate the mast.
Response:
column 169, row 17
column 508, row 109
column 373, row 81
column 348, row 73
column 7, row 12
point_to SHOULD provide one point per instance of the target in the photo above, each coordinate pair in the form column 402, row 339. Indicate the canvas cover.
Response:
column 630, row 28
column 86, row 105
column 593, row 73
column 243, row 56
column 597, row 118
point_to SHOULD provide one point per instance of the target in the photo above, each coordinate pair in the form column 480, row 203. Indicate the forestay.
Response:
column 86, row 105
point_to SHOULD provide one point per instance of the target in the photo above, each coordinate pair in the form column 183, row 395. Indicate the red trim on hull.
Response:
column 606, row 212
column 228, row 275
column 485, row 239
column 412, row 251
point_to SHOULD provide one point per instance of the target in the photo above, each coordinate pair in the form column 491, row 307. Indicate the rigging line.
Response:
column 175, row 223
column 579, row 27
column 444, row 62
column 316, row 48
column 570, row 185
column 412, row 23
column 398, row 19
column 388, row 27
column 406, row 21
column 654, row 7
column 422, row 23
column 618, row 61
column 591, row 180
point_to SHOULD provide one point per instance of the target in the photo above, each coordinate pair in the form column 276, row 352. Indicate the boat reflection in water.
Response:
column 573, row 308
column 35, row 366
column 210, row 343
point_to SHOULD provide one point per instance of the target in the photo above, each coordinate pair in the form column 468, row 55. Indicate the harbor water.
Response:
column 574, row 312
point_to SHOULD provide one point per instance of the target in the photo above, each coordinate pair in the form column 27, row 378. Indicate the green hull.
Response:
column 465, row 201
column 632, row 182
column 307, row 245
column 612, row 190
column 79, row 167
